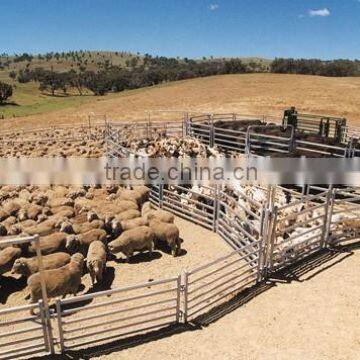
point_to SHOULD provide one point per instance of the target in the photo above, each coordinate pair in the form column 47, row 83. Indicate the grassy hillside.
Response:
column 27, row 99
column 247, row 94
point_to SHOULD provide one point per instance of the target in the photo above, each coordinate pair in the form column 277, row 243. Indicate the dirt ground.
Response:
column 259, row 94
column 316, row 316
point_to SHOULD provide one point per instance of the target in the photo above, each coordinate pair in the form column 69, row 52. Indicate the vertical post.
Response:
column 216, row 209
column 271, row 241
column 47, row 341
column 161, row 195
column 326, row 214
column 178, row 299
column 60, row 325
column 184, row 290
column 211, row 131
column 330, row 212
column 89, row 119
column 44, row 292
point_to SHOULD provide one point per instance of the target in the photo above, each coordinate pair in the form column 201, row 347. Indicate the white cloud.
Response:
column 213, row 7
column 319, row 12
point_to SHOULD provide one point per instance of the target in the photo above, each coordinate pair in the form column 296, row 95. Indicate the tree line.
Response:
column 151, row 71
column 340, row 67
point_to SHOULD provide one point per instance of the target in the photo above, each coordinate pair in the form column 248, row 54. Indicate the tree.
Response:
column 6, row 91
column 12, row 74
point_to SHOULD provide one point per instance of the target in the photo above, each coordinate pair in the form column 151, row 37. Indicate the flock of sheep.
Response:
column 64, row 142
column 76, row 226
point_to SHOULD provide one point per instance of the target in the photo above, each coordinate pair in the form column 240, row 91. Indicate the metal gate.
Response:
column 23, row 334
column 297, row 230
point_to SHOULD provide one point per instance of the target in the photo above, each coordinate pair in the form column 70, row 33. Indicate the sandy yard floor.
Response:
column 316, row 316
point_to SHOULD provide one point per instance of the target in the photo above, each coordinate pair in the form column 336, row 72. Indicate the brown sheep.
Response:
column 8, row 257
column 57, row 202
column 168, row 233
column 146, row 208
column 96, row 261
column 34, row 211
column 59, row 282
column 81, row 242
column 133, row 223
column 127, row 215
column 87, row 226
column 11, row 208
column 27, row 267
column 138, row 239
column 11, row 220
column 121, row 205
column 131, row 195
column 160, row 215
column 42, row 229
column 51, row 244
column 144, row 192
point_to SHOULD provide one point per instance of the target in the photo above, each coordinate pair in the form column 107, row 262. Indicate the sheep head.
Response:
column 72, row 244
column 20, row 267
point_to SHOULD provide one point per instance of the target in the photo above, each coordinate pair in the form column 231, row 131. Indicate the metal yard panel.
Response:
column 321, row 149
column 22, row 334
column 202, row 132
column 344, row 216
column 101, row 317
column 215, row 283
column 191, row 205
column 230, row 140
column 297, row 230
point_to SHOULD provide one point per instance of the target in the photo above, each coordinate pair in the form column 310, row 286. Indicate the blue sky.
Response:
column 187, row 28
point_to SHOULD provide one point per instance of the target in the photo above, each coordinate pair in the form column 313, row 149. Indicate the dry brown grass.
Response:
column 267, row 94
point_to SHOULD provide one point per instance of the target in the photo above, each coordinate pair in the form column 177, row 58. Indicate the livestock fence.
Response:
column 255, row 230
column 26, row 330
column 260, row 135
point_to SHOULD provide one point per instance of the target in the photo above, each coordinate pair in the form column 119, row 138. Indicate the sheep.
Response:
column 128, row 215
column 82, row 242
column 11, row 220
column 42, row 229
column 160, row 215
column 130, row 195
column 122, row 205
column 27, row 267
column 12, row 208
column 146, row 208
column 51, row 244
column 87, row 226
column 59, row 282
column 168, row 233
column 96, row 261
column 8, row 257
column 133, row 223
column 138, row 239
column 91, row 215
column 33, row 212
column 15, row 229
column 143, row 191
column 57, row 202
